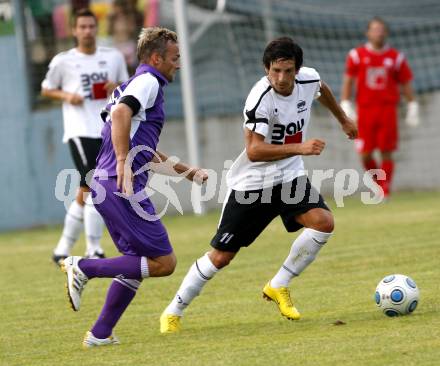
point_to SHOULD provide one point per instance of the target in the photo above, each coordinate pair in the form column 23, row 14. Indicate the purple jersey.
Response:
column 146, row 125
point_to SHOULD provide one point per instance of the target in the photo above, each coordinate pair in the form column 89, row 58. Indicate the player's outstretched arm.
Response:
column 259, row 150
column 328, row 100
column 165, row 165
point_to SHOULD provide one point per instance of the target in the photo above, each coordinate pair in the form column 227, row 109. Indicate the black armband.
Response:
column 132, row 102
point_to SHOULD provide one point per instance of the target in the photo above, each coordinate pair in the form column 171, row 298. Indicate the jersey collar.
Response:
column 370, row 48
column 144, row 68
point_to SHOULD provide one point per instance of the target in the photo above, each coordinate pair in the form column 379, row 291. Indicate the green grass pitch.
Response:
column 230, row 323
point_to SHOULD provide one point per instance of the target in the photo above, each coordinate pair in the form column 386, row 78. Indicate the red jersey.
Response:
column 378, row 74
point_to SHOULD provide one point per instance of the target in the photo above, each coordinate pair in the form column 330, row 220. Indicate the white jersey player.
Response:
column 87, row 76
column 267, row 180
column 281, row 120
column 83, row 78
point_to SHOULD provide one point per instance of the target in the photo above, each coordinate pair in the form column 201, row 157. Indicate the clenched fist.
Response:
column 74, row 99
column 312, row 147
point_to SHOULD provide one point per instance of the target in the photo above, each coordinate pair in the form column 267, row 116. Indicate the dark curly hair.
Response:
column 283, row 48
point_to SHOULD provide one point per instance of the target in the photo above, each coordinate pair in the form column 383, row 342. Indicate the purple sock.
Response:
column 128, row 266
column 118, row 298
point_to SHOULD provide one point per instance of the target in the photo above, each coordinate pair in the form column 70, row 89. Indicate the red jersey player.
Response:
column 379, row 70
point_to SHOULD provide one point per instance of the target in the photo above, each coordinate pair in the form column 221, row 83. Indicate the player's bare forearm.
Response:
column 408, row 92
column 162, row 164
column 160, row 157
column 258, row 150
column 347, row 87
column 58, row 94
column 328, row 100
column 121, row 124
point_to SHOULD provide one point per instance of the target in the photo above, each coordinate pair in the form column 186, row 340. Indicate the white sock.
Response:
column 198, row 275
column 73, row 224
column 145, row 269
column 303, row 252
column 93, row 226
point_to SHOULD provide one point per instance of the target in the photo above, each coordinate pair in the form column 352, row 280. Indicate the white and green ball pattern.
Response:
column 396, row 295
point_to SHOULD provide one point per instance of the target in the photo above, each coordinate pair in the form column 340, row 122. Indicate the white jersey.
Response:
column 76, row 72
column 281, row 120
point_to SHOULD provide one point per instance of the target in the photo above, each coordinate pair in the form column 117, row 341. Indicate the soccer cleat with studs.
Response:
column 169, row 323
column 58, row 259
column 91, row 341
column 281, row 296
column 76, row 280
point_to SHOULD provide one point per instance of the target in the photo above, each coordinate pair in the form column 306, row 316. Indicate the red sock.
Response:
column 388, row 168
column 370, row 164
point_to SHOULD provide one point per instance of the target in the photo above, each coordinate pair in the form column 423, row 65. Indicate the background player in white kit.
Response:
column 82, row 78
column 267, row 180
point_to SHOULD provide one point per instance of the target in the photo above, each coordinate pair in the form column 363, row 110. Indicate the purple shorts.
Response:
column 131, row 224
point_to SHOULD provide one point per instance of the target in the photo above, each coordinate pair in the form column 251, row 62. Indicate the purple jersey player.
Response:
column 134, row 119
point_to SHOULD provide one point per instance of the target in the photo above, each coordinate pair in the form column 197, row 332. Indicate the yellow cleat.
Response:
column 282, row 298
column 169, row 323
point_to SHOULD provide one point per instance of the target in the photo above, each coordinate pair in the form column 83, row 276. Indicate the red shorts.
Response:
column 377, row 128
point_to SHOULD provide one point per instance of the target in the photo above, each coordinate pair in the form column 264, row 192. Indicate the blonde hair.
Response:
column 154, row 39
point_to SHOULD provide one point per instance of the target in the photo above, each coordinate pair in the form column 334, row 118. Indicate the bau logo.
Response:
column 93, row 85
column 287, row 134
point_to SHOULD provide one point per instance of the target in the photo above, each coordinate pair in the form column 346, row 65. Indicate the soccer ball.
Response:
column 397, row 294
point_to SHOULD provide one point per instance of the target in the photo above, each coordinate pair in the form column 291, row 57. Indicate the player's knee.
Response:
column 167, row 267
column 171, row 266
column 220, row 262
column 328, row 225
column 324, row 223
column 221, row 259
column 167, row 271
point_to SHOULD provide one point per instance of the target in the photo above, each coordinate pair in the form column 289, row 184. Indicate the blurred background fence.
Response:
column 227, row 40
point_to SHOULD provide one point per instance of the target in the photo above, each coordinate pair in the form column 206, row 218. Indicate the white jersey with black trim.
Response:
column 79, row 73
column 281, row 120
